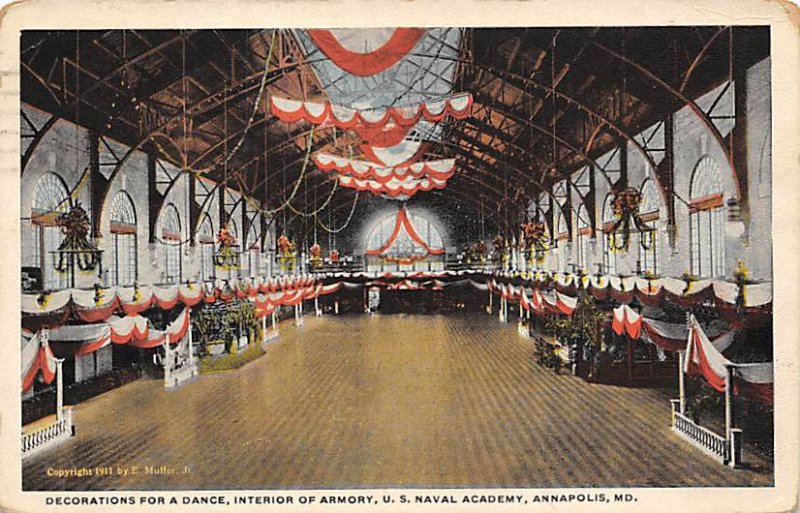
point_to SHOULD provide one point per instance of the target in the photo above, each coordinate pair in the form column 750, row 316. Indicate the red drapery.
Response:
column 404, row 221
column 365, row 64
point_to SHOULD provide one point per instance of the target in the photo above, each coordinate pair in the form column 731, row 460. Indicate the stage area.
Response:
column 393, row 400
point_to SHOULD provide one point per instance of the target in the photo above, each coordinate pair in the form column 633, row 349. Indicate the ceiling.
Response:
column 547, row 101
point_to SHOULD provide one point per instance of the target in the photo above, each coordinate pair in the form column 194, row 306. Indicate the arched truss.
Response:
column 530, row 87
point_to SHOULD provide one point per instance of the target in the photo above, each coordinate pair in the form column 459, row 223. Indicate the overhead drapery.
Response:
column 403, row 221
column 387, row 55
column 402, row 154
column 441, row 169
column 317, row 113
column 395, row 188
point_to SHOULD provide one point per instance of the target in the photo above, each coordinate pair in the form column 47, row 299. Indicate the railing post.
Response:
column 674, row 404
column 728, row 410
column 735, row 446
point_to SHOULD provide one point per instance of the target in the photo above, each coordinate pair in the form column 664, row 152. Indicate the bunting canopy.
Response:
column 437, row 169
column 398, row 189
column 337, row 46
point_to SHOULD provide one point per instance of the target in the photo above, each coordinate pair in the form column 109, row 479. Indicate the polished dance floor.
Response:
column 381, row 401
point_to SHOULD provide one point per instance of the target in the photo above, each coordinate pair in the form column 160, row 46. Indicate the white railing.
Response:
column 47, row 436
column 706, row 440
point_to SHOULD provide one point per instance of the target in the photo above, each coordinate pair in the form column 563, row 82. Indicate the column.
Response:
column 59, row 389
column 167, row 360
column 729, row 411
column 681, row 383
column 190, row 340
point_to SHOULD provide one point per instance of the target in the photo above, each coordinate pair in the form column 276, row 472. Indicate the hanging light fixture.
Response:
column 76, row 250
column 227, row 255
column 626, row 210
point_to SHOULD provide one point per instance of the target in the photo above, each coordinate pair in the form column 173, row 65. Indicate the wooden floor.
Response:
column 383, row 401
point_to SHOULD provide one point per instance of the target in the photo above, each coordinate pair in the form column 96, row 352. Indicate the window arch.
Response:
column 609, row 255
column 171, row 240
column 649, row 214
column 404, row 254
column 122, row 254
column 583, row 233
column 205, row 239
column 50, row 198
column 707, row 220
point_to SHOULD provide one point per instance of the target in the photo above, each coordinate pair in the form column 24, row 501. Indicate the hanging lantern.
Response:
column 315, row 258
column 535, row 240
column 334, row 256
column 227, row 255
column 626, row 211
column 286, row 253
column 76, row 249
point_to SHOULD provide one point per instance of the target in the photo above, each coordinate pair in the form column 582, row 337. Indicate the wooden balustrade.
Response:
column 47, row 436
column 706, row 440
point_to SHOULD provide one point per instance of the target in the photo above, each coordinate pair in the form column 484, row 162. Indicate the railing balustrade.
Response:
column 47, row 436
column 706, row 440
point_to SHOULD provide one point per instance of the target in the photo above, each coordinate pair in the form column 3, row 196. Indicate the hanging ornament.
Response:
column 534, row 240
column 76, row 249
column 286, row 253
column 316, row 256
column 227, row 255
column 626, row 210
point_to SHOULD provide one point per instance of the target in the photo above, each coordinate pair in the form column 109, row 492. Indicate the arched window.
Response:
column 609, row 255
column 584, row 232
column 707, row 220
column 50, row 198
column 251, row 250
column 404, row 254
column 171, row 240
column 205, row 239
column 649, row 242
column 122, row 258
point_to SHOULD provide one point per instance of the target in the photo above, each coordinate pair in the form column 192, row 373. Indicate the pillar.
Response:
column 263, row 328
column 59, row 389
column 190, row 340
column 167, row 360
column 728, row 401
column 681, row 383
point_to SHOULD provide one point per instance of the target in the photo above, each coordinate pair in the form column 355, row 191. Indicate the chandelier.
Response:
column 626, row 211
column 227, row 255
column 76, row 249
